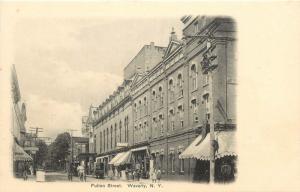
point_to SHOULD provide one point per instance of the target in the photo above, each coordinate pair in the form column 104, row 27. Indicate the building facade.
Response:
column 24, row 146
column 170, row 103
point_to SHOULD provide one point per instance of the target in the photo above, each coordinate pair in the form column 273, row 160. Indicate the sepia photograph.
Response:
column 166, row 114
column 98, row 96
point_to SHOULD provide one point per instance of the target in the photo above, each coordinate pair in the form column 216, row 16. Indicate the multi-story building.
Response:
column 171, row 102
column 18, row 127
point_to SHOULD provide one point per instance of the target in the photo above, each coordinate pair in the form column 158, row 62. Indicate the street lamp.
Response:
column 207, row 69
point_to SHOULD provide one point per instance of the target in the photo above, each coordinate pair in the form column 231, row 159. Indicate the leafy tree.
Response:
column 58, row 151
column 41, row 154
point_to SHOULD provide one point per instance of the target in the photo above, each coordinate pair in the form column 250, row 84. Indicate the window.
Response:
column 180, row 85
column 171, row 90
column 141, row 132
column 154, row 99
column 115, row 135
column 194, row 77
column 181, row 124
column 173, row 162
column 146, row 130
column 161, row 98
column 111, row 138
column 120, row 127
column 205, row 79
column 179, row 80
column 161, row 124
column 100, row 143
column 140, row 108
column 171, row 117
column 154, row 125
column 207, row 106
column 145, row 106
column 194, row 109
column 104, row 144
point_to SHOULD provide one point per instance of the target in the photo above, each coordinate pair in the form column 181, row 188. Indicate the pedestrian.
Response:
column 24, row 171
column 158, row 175
column 80, row 170
column 154, row 176
column 70, row 172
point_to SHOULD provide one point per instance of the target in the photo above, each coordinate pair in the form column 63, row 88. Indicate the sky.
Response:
column 64, row 65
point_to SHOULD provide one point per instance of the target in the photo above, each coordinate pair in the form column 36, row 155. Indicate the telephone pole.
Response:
column 71, row 134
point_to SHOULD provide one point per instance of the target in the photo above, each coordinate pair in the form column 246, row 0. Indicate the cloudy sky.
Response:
column 66, row 64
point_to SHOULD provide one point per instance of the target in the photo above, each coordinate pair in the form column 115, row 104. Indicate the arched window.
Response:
column 161, row 99
column 194, row 76
column 120, row 128
column 179, row 80
column 171, row 90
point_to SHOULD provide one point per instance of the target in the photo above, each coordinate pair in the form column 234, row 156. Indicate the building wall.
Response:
column 145, row 60
column 172, row 100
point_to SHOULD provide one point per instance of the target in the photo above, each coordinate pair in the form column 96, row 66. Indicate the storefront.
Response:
column 21, row 160
column 225, row 156
column 120, row 165
column 141, row 161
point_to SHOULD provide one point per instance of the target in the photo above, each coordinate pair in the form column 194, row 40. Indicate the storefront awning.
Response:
column 140, row 149
column 201, row 149
column 226, row 141
column 19, row 154
column 118, row 156
column 197, row 149
column 124, row 159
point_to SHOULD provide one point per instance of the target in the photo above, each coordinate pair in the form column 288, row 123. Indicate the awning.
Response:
column 226, row 141
column 139, row 149
column 197, row 149
column 118, row 156
column 201, row 149
column 124, row 159
column 19, row 154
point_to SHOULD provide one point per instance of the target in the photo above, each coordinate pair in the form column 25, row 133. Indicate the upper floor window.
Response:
column 207, row 106
column 194, row 108
column 171, row 90
column 194, row 76
column 161, row 98
column 179, row 80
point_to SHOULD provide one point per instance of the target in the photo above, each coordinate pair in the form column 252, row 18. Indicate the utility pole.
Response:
column 71, row 134
column 207, row 69
column 37, row 130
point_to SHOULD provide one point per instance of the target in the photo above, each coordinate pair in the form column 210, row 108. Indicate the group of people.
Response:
column 156, row 175
column 26, row 168
column 80, row 170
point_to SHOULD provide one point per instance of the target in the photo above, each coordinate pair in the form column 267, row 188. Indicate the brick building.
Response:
column 165, row 103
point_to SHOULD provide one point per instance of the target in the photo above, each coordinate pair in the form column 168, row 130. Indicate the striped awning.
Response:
column 226, row 141
column 124, row 159
column 200, row 147
column 118, row 156
column 19, row 154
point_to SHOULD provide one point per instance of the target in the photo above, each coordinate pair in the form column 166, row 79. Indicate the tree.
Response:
column 41, row 154
column 58, row 151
